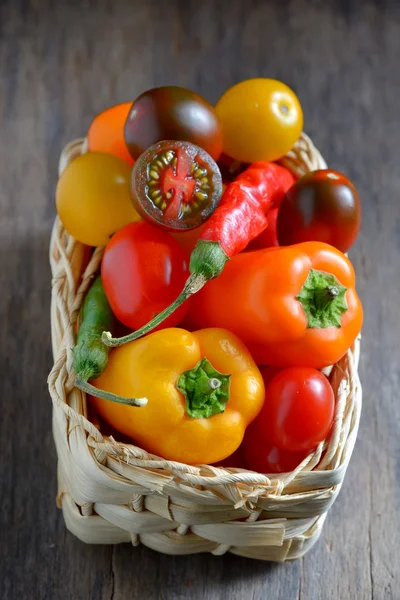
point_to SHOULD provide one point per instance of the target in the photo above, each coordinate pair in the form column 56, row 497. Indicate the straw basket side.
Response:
column 112, row 492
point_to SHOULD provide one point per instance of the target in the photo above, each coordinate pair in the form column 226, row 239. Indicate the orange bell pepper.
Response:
column 292, row 306
column 203, row 389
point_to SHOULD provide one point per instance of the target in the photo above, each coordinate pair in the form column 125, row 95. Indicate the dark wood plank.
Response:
column 61, row 63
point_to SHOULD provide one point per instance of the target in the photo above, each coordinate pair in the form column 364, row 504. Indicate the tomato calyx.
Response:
column 323, row 300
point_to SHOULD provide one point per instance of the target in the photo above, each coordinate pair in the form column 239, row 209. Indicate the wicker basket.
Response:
column 112, row 492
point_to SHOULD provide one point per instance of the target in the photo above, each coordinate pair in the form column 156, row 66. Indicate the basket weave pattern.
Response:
column 112, row 492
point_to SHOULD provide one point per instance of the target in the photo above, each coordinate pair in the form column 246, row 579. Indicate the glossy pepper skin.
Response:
column 153, row 366
column 267, row 298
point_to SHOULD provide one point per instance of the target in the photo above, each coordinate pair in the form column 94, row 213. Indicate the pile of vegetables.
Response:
column 226, row 271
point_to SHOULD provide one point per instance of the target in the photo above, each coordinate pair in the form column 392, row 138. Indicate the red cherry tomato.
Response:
column 235, row 460
column 298, row 410
column 322, row 206
column 143, row 271
column 176, row 185
column 260, row 456
column 268, row 373
column 172, row 113
column 106, row 132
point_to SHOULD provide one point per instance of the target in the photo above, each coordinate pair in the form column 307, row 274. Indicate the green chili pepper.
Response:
column 90, row 355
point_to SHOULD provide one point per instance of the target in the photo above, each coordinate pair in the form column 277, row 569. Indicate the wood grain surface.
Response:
column 61, row 63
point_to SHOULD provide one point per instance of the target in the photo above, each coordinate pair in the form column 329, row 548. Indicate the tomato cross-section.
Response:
column 176, row 185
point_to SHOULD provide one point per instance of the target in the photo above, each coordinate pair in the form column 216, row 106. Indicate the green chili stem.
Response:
column 94, row 391
column 193, row 285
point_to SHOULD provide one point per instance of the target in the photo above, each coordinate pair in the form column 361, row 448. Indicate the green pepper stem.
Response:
column 206, row 390
column 323, row 297
column 214, row 383
column 93, row 391
column 192, row 285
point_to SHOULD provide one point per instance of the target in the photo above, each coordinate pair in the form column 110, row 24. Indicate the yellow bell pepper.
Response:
column 203, row 389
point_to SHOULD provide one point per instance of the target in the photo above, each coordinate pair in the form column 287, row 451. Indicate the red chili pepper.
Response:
column 240, row 217
column 243, row 211
column 269, row 237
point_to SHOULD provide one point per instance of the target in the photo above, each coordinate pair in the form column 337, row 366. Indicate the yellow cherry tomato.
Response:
column 93, row 198
column 261, row 120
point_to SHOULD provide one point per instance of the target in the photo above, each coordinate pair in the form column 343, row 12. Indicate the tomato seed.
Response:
column 200, row 196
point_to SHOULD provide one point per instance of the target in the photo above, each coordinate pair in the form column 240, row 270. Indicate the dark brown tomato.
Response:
column 172, row 113
column 176, row 185
column 321, row 206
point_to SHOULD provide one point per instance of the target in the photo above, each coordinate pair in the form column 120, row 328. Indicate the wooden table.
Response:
column 60, row 64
